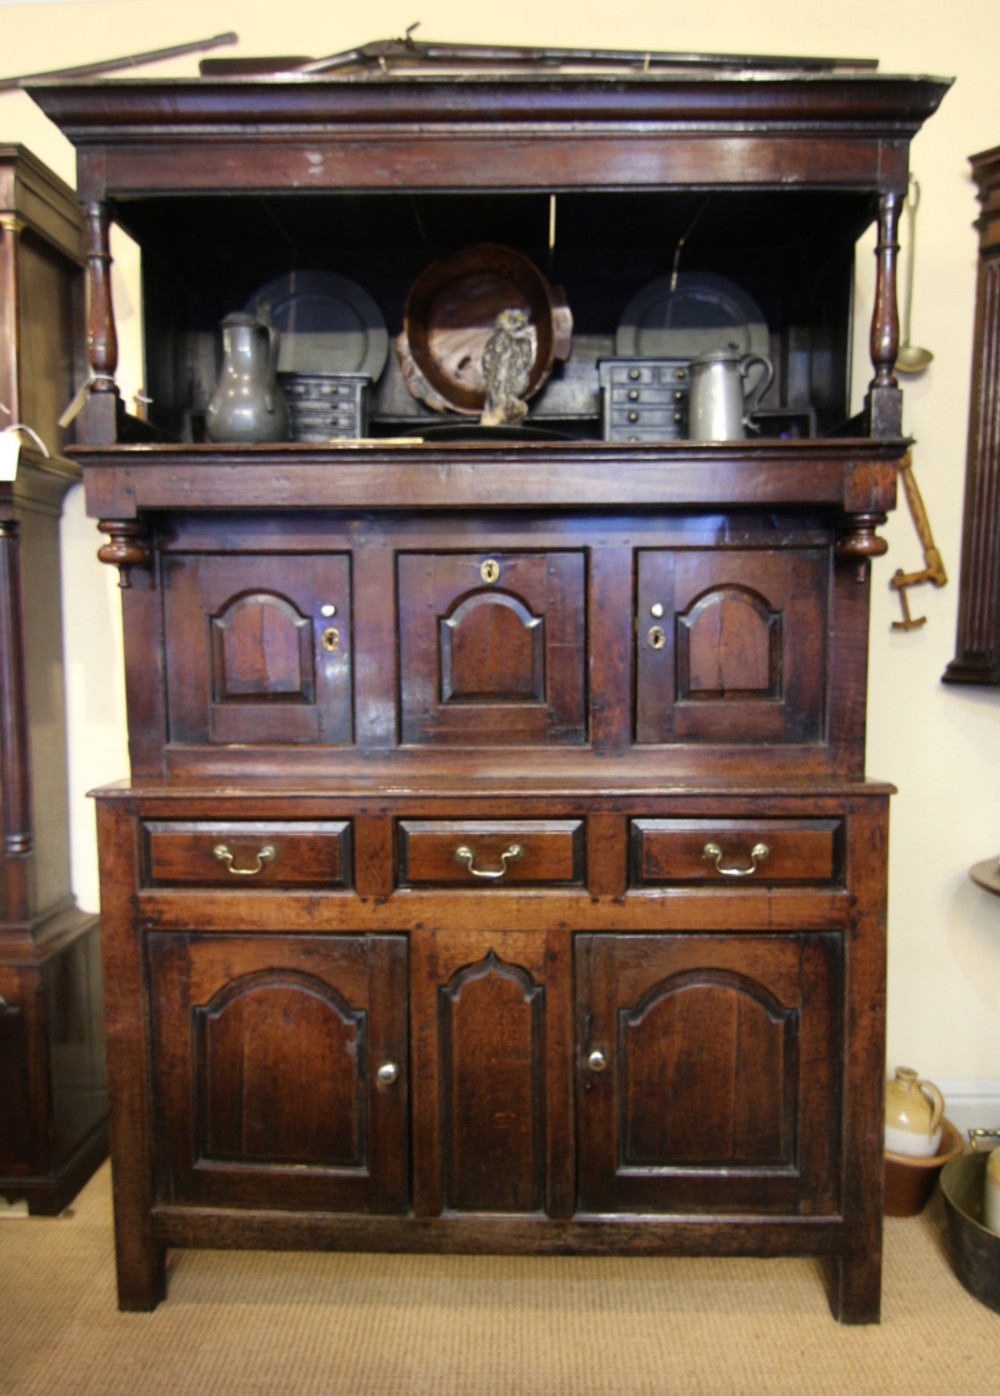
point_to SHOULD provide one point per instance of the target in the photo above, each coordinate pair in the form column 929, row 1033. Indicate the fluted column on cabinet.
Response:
column 977, row 646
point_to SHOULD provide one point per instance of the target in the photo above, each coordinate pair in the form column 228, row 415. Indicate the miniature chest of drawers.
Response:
column 644, row 400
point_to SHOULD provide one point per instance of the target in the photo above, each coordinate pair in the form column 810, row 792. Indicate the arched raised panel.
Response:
column 492, row 650
column 715, row 1087
column 729, row 645
column 492, row 647
column 261, row 648
column 251, row 658
column 493, row 1097
column 738, row 651
column 280, row 1073
column 708, row 1071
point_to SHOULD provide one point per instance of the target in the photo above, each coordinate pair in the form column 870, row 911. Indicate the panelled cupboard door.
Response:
column 280, row 1074
column 707, row 1073
column 258, row 648
column 491, row 1050
column 492, row 648
column 731, row 645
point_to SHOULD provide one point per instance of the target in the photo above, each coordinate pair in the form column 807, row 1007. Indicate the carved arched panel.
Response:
column 282, row 1069
column 253, row 654
column 708, row 1069
column 732, row 644
column 706, row 1072
column 493, row 1093
column 280, row 1073
column 728, row 645
column 261, row 649
column 492, row 650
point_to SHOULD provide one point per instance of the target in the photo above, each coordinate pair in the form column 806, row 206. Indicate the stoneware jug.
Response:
column 914, row 1110
column 721, row 404
column 247, row 404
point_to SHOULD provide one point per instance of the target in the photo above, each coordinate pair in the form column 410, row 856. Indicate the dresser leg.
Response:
column 142, row 1278
column 855, row 1289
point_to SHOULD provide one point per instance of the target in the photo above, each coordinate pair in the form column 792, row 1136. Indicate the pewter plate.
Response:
column 328, row 324
column 704, row 312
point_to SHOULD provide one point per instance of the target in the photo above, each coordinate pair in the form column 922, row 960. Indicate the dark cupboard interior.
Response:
column 790, row 251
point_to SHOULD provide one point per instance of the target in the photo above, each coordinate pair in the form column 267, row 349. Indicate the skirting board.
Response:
column 971, row 1104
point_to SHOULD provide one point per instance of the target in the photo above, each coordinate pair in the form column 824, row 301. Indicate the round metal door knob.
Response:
column 597, row 1061
column 387, row 1073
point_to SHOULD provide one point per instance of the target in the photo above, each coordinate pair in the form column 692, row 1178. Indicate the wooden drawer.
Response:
column 491, row 853
column 242, row 854
column 726, row 851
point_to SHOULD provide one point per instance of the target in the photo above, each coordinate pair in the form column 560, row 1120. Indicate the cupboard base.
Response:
column 852, row 1284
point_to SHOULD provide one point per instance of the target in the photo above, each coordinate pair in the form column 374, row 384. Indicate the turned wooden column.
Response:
column 885, row 400
column 102, row 409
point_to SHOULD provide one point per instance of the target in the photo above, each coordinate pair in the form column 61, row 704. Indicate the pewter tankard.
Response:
column 720, row 404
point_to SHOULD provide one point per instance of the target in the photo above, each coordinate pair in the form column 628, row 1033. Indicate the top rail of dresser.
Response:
column 856, row 475
column 306, row 133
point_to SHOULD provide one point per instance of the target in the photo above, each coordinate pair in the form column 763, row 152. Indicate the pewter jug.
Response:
column 721, row 403
column 247, row 404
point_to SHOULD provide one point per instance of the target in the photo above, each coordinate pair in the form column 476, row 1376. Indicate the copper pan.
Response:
column 450, row 313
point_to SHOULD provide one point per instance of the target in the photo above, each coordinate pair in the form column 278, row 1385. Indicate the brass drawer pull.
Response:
column 465, row 855
column 266, row 855
column 758, row 853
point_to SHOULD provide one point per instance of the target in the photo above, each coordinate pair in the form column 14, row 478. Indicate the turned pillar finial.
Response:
column 127, row 547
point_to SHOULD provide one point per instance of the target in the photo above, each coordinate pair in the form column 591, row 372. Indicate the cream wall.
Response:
column 939, row 744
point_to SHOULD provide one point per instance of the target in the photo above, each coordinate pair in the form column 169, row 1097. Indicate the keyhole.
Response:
column 656, row 637
column 490, row 570
column 330, row 639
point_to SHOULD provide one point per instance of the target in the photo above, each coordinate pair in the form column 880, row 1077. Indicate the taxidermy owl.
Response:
column 507, row 362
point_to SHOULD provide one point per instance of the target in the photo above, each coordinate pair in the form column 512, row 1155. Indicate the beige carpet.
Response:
column 242, row 1323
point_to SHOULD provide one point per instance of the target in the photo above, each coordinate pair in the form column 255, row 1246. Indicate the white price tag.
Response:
column 10, row 449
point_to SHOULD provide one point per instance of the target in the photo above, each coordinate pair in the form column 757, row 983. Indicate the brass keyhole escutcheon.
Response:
column 657, row 637
column 330, row 639
column 490, row 570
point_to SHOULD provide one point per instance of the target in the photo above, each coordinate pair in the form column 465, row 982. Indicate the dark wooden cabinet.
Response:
column 498, row 868
column 53, row 1102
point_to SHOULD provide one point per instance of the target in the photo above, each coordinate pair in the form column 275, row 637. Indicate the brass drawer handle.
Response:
column 758, row 853
column 465, row 855
column 266, row 855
